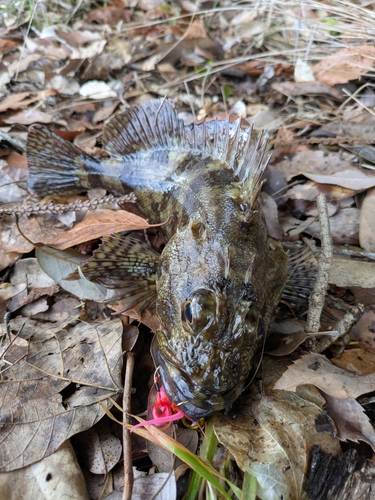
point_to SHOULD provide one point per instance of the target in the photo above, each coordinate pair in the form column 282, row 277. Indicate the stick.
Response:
column 316, row 301
column 126, row 405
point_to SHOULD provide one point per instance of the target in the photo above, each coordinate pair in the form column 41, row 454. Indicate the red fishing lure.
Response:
column 164, row 412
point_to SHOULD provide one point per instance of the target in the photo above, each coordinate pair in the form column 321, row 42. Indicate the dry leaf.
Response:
column 367, row 222
column 8, row 290
column 346, row 272
column 29, row 271
column 99, row 223
column 29, row 117
column 269, row 208
column 364, row 331
column 317, row 370
column 12, row 183
column 351, row 421
column 36, row 293
column 99, row 447
column 272, row 436
column 97, row 90
column 344, row 227
column 109, row 15
column 64, row 309
column 22, row 63
column 55, row 477
column 356, row 360
column 38, row 306
column 7, row 45
column 16, row 101
column 314, row 162
column 346, row 64
column 307, row 88
column 293, row 227
column 349, row 179
column 310, row 190
column 160, row 486
column 39, row 418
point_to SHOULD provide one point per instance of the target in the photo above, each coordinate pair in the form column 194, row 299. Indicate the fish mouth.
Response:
column 193, row 400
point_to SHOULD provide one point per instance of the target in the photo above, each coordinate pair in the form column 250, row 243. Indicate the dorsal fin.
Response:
column 147, row 137
column 151, row 125
column 226, row 141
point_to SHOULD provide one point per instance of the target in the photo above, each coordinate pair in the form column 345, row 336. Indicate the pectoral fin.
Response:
column 301, row 276
column 127, row 265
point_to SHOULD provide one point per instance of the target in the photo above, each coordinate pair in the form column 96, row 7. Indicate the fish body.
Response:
column 217, row 282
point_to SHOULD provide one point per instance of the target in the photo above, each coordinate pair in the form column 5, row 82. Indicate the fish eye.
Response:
column 200, row 310
column 187, row 312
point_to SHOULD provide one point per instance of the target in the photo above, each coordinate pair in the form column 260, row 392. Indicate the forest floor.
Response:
column 74, row 365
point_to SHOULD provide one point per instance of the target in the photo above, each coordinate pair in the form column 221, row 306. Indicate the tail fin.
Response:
column 55, row 164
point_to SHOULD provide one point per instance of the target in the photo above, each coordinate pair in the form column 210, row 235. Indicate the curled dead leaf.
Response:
column 318, row 370
column 99, row 223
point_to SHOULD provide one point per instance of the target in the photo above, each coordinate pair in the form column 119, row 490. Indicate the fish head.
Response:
column 211, row 322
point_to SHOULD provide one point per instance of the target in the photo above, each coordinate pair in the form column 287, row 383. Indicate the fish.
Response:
column 218, row 280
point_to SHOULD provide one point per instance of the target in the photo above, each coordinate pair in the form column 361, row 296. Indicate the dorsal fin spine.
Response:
column 237, row 136
column 242, row 160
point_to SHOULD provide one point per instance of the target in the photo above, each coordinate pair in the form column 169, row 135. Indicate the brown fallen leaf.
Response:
column 256, row 68
column 7, row 45
column 350, row 179
column 307, row 88
column 269, row 209
column 318, row 370
column 293, row 227
column 31, row 116
column 15, row 160
column 364, row 131
column 109, row 15
column 344, row 227
column 313, row 161
column 188, row 52
column 285, row 337
column 39, row 416
column 367, row 222
column 55, row 477
column 346, row 272
column 346, row 64
column 22, row 63
column 350, row 419
column 357, row 361
column 63, row 309
column 23, row 99
column 309, row 191
column 273, row 433
column 36, row 293
column 100, row 448
column 99, row 223
column 12, row 183
column 364, row 331
column 365, row 296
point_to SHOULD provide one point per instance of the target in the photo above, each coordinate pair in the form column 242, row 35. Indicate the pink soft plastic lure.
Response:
column 164, row 412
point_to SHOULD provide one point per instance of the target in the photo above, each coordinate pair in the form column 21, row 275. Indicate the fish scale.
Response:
column 217, row 282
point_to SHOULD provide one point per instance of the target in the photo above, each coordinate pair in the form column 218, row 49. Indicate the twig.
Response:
column 16, row 143
column 344, row 327
column 316, row 301
column 56, row 208
column 126, row 404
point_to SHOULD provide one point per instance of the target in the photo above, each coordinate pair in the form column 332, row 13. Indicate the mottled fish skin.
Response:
column 218, row 281
column 226, row 283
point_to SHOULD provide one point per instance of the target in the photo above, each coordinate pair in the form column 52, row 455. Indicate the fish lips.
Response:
column 194, row 402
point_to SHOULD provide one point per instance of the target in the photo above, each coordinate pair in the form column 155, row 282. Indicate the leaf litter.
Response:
column 73, row 67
